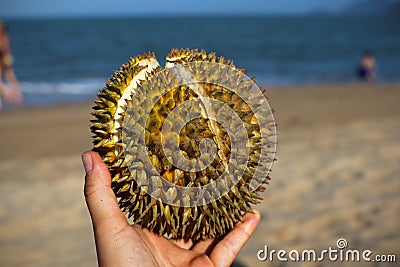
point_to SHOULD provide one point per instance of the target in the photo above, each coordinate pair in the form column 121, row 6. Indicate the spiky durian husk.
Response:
column 199, row 222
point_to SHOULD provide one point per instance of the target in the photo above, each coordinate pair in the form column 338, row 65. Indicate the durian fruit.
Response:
column 128, row 133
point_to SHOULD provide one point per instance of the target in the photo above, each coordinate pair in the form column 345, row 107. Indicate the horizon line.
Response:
column 189, row 15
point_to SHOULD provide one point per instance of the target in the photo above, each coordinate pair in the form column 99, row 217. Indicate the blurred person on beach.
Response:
column 366, row 70
column 10, row 92
column 120, row 244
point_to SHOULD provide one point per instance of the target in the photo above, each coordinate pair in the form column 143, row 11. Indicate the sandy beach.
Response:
column 337, row 176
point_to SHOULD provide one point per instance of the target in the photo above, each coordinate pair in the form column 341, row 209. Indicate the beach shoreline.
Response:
column 336, row 177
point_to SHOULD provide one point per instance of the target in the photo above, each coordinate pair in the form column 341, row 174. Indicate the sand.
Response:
column 337, row 176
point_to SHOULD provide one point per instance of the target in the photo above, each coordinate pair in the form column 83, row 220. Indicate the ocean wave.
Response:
column 82, row 87
column 44, row 93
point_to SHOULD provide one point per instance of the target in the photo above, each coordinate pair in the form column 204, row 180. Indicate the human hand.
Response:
column 120, row 244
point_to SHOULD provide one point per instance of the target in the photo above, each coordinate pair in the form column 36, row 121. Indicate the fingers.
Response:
column 229, row 247
column 100, row 198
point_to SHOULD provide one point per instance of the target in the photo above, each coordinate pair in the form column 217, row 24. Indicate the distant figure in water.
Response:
column 366, row 69
column 10, row 92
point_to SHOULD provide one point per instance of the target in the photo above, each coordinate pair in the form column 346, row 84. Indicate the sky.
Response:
column 62, row 8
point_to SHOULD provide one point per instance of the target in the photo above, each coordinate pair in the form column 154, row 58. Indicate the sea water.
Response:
column 69, row 60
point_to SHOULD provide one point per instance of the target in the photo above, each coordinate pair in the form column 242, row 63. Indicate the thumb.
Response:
column 100, row 199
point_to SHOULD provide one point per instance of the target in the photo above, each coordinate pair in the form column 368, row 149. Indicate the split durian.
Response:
column 164, row 173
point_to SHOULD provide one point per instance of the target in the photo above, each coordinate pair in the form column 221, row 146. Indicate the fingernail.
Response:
column 87, row 162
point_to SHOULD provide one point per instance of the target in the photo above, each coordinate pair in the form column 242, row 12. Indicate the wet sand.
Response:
column 337, row 176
